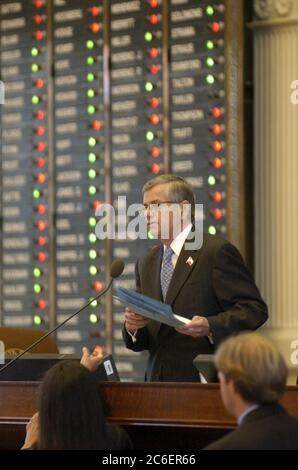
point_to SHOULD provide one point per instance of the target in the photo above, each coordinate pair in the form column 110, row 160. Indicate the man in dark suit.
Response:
column 210, row 285
column 253, row 376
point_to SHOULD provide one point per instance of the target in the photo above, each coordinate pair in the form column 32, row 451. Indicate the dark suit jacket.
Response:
column 269, row 427
column 217, row 285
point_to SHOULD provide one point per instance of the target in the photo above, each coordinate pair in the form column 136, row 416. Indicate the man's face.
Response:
column 163, row 221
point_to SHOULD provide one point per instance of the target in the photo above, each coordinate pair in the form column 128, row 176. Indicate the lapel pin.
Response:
column 189, row 261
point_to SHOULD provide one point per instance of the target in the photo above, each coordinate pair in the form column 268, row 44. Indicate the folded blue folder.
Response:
column 148, row 307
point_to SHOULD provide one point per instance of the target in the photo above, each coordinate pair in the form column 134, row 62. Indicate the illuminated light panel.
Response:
column 217, row 214
column 90, row 44
column 92, row 157
column 41, row 146
column 93, row 318
column 41, row 225
column 217, row 163
column 217, row 196
column 155, row 168
column 92, row 141
column 41, row 256
column 148, row 36
column 35, row 99
column 90, row 60
column 92, row 238
column 210, row 62
column 210, row 79
column 93, row 270
column 36, row 193
column 92, row 190
column 41, row 241
column 40, row 162
column 210, row 45
column 149, row 86
column 154, row 19
column 216, row 129
column 94, row 27
column 41, row 209
column 209, row 10
column 38, row 3
column 97, row 286
column 37, row 272
column 217, row 146
column 96, row 204
column 40, row 115
column 155, row 152
column 153, row 3
column 92, row 173
column 154, row 69
column 96, row 125
column 37, row 320
column 211, row 180
column 37, row 288
column 92, row 221
column 212, row 230
column 95, row 11
column 154, row 119
column 38, row 35
column 154, row 52
column 216, row 27
column 216, row 112
column 34, row 51
column 40, row 131
column 92, row 254
column 150, row 136
column 35, row 68
column 38, row 19
column 42, row 304
column 91, row 109
column 40, row 178
column 154, row 102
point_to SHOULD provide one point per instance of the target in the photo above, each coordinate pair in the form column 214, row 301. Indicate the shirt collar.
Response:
column 246, row 412
column 179, row 241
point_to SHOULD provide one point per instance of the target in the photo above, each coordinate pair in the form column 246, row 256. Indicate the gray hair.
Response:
column 179, row 189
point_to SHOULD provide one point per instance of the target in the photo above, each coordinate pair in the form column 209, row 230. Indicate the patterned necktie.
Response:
column 166, row 270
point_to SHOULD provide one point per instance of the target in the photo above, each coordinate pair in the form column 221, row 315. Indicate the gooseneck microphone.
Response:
column 116, row 270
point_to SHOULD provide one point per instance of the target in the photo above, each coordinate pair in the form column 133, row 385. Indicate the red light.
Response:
column 217, row 146
column 97, row 285
column 39, row 83
column 41, row 241
column 216, row 112
column 153, row 19
column 217, row 163
column 38, row 3
column 154, row 52
column 154, row 119
column 155, row 168
column 217, row 196
column 96, row 125
column 40, row 178
column 40, row 131
column 40, row 146
column 41, row 209
column 94, row 27
column 95, row 11
column 155, row 152
column 37, row 19
column 217, row 214
column 96, row 204
column 40, row 115
column 153, row 3
column 41, row 225
column 38, row 35
column 40, row 162
column 154, row 102
column 216, row 129
column 154, row 69
column 215, row 27
column 41, row 256
column 42, row 304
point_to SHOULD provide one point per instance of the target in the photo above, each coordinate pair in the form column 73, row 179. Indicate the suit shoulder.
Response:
column 151, row 252
column 214, row 243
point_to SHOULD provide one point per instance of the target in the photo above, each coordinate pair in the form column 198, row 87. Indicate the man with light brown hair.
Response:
column 253, row 375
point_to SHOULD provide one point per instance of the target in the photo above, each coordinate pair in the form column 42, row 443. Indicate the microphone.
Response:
column 116, row 270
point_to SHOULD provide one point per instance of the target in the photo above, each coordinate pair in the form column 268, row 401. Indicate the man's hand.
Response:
column 32, row 432
column 134, row 321
column 91, row 361
column 198, row 326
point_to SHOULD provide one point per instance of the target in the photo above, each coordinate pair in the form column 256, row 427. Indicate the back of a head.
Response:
column 70, row 409
column 255, row 365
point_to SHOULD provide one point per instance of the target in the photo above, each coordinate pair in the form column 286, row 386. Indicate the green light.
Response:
column 34, row 52
column 90, row 93
column 91, row 109
column 34, row 68
column 209, row 10
column 92, row 221
column 148, row 86
column 90, row 77
column 210, row 62
column 150, row 236
column 149, row 136
column 37, row 320
column 90, row 44
column 90, row 60
column 92, row 238
column 210, row 79
column 92, row 157
column 92, row 254
column 94, row 303
column 36, row 193
column 148, row 36
column 93, row 270
column 212, row 230
column 211, row 180
column 92, row 190
column 92, row 141
column 92, row 173
column 93, row 318
column 37, row 288
column 36, row 272
column 210, row 45
column 35, row 99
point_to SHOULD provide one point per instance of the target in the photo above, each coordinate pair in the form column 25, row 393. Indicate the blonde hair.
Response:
column 255, row 365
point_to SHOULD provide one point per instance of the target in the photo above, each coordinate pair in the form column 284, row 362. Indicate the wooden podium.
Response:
column 174, row 416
